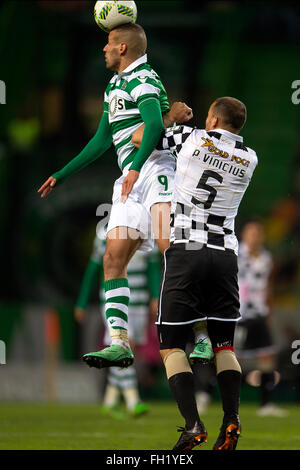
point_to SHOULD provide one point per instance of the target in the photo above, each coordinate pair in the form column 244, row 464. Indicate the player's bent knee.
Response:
column 226, row 360
column 176, row 362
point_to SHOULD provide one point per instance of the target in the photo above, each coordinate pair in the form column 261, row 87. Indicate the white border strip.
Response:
column 196, row 320
column 162, row 288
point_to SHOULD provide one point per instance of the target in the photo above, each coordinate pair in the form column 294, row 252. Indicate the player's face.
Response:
column 253, row 236
column 112, row 53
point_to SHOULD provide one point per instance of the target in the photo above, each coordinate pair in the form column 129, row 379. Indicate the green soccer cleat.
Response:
column 112, row 412
column 112, row 356
column 139, row 410
column 202, row 353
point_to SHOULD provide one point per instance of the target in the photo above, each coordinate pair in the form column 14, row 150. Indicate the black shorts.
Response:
column 253, row 337
column 198, row 285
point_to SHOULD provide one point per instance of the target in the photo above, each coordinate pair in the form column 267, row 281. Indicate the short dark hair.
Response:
column 231, row 111
column 135, row 35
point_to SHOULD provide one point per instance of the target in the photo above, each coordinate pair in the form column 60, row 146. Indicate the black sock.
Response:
column 182, row 388
column 230, row 385
column 266, row 387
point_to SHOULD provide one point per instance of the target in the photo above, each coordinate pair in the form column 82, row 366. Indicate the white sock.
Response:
column 131, row 396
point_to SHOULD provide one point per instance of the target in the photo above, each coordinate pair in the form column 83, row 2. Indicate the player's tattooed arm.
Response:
column 178, row 113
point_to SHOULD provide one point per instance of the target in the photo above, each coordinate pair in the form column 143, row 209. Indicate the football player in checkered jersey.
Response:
column 253, row 340
column 199, row 282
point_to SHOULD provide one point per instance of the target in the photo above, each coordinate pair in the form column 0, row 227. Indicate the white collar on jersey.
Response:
column 133, row 65
column 230, row 135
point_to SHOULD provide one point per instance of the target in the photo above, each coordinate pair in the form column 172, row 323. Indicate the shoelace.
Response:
column 180, row 429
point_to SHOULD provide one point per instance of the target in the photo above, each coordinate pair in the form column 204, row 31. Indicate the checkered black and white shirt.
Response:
column 214, row 169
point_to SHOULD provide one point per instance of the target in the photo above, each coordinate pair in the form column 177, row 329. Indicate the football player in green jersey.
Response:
column 135, row 96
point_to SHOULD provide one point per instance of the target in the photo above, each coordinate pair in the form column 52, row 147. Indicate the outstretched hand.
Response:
column 128, row 184
column 47, row 187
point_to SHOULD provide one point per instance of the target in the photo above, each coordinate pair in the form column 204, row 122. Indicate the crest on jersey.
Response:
column 116, row 104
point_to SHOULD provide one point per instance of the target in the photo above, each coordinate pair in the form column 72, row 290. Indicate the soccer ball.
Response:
column 110, row 14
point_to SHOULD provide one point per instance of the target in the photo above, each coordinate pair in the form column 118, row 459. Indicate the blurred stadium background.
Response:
column 55, row 76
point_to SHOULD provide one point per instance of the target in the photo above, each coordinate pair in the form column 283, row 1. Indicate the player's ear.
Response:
column 123, row 48
column 215, row 122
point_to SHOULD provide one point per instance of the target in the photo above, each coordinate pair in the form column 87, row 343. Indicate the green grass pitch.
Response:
column 80, row 427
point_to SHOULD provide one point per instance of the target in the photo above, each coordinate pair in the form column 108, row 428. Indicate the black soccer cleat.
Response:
column 190, row 439
column 228, row 437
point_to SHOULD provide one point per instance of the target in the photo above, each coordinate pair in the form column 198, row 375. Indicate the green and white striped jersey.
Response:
column 122, row 98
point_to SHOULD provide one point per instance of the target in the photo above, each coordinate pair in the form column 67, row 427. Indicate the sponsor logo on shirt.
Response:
column 116, row 104
column 212, row 149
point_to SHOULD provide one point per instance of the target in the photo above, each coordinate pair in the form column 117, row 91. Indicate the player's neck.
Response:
column 125, row 62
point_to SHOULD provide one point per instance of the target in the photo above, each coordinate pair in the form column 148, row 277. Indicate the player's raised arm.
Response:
column 179, row 112
column 149, row 135
column 101, row 142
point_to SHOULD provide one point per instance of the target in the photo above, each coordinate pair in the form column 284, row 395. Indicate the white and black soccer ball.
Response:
column 113, row 13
